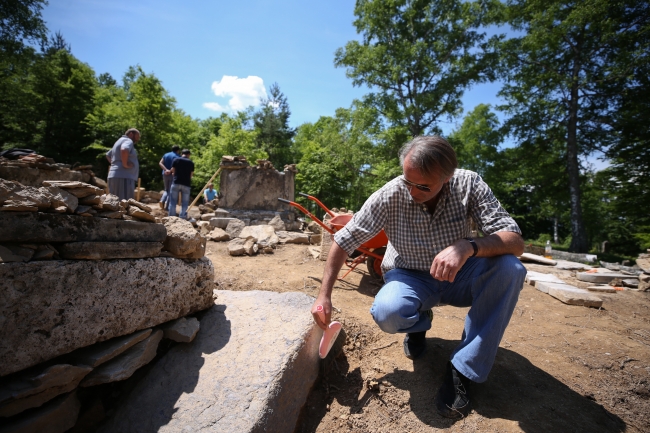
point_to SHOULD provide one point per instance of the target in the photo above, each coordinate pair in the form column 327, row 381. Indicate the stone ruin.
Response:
column 91, row 289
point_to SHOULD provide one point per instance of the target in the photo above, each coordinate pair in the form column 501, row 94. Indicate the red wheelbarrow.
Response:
column 371, row 252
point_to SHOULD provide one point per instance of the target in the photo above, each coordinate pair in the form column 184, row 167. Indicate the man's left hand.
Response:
column 449, row 261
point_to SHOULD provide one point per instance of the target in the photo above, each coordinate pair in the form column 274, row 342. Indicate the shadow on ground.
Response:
column 157, row 388
column 516, row 390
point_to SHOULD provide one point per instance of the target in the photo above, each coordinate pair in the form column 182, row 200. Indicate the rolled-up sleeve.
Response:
column 365, row 224
column 486, row 210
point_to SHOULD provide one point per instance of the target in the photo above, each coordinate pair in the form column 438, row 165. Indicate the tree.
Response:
column 477, row 140
column 338, row 159
column 559, row 81
column 418, row 57
column 20, row 20
column 272, row 125
column 140, row 102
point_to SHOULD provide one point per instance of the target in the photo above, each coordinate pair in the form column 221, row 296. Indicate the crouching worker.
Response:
column 431, row 260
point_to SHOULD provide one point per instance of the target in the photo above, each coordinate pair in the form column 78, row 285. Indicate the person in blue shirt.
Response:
column 209, row 193
column 166, row 165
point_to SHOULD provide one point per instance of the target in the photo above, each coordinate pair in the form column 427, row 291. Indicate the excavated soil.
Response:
column 559, row 368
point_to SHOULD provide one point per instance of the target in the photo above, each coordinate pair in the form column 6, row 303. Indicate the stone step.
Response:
column 249, row 369
column 601, row 276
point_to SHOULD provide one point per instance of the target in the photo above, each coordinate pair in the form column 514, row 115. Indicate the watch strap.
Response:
column 473, row 242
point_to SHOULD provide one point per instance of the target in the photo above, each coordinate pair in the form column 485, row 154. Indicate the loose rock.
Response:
column 181, row 330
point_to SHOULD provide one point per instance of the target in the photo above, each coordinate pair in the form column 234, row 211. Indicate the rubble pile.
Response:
column 70, row 197
column 291, row 167
column 33, row 169
column 148, row 197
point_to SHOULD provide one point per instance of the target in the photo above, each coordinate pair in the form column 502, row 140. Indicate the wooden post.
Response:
column 137, row 194
column 202, row 189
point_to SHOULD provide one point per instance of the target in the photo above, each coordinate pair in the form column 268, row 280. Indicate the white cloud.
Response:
column 243, row 92
column 214, row 106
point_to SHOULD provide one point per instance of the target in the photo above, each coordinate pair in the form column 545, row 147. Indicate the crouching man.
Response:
column 431, row 260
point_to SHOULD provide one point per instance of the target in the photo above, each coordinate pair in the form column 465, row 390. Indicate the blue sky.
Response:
column 223, row 54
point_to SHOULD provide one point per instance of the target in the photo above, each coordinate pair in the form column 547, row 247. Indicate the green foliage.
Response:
column 233, row 139
column 273, row 131
column 20, row 20
column 477, row 140
column 418, row 57
column 337, row 164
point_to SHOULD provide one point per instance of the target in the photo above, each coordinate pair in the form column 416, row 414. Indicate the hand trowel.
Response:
column 329, row 335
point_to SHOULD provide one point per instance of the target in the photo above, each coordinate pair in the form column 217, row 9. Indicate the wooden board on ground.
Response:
column 528, row 257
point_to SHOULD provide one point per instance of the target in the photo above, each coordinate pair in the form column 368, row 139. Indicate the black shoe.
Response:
column 414, row 344
column 452, row 400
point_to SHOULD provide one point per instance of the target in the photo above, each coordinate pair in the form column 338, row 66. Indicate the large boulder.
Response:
column 182, row 239
column 50, row 308
column 249, row 369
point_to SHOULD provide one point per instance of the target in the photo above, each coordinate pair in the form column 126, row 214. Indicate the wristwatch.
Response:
column 471, row 241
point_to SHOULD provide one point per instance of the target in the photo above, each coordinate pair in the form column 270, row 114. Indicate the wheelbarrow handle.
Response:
column 318, row 202
column 306, row 212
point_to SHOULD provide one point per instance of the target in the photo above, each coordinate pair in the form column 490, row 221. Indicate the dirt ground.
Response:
column 559, row 368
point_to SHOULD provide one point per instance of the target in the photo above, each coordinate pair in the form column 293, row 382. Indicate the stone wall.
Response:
column 54, row 307
column 252, row 188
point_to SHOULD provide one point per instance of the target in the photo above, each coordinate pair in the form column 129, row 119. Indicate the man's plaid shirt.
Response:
column 416, row 236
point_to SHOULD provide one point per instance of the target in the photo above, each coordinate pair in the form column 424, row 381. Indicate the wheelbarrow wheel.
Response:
column 374, row 265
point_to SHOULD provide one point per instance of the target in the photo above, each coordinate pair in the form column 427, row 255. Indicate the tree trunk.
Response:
column 578, row 232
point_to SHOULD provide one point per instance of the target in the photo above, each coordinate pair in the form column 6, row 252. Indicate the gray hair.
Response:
column 430, row 155
column 130, row 130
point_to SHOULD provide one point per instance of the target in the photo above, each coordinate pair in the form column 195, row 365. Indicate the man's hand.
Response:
column 168, row 172
column 326, row 302
column 449, row 261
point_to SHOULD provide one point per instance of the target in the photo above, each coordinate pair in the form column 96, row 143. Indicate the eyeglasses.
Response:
column 417, row 185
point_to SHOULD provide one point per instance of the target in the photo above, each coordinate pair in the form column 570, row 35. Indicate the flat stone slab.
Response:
column 56, row 416
column 570, row 295
column 602, row 289
column 534, row 258
column 109, row 250
column 249, row 369
column 50, row 308
column 33, row 390
column 601, row 276
column 572, row 266
column 123, row 366
column 99, row 353
column 49, row 227
column 533, row 277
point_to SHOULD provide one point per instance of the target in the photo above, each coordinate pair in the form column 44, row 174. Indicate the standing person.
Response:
column 183, row 170
column 430, row 260
column 124, row 168
column 209, row 193
column 166, row 165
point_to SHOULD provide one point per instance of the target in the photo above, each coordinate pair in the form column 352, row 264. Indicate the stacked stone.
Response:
column 264, row 164
column 291, row 167
column 234, row 162
column 44, row 398
column 69, row 197
column 148, row 196
column 33, row 169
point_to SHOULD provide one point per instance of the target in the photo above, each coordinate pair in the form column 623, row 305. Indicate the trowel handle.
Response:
column 321, row 313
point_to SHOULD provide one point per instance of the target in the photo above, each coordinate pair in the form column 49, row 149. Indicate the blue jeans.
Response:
column 167, row 181
column 173, row 199
column 490, row 286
